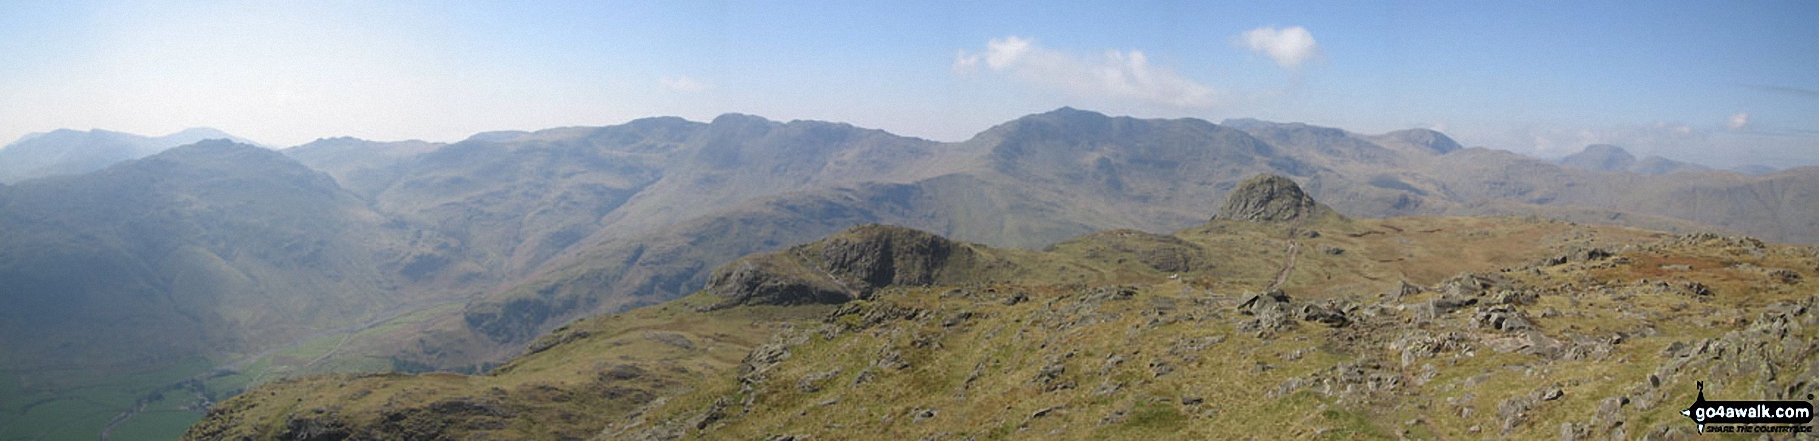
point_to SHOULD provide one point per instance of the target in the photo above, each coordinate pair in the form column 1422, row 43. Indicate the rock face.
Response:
column 845, row 266
column 1268, row 198
column 881, row 255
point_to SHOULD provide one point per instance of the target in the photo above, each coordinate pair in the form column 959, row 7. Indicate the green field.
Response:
column 156, row 425
column 35, row 404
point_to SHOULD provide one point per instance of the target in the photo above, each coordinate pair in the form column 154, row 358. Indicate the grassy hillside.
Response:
column 1422, row 327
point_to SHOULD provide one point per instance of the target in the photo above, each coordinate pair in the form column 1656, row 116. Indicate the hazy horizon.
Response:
column 1716, row 84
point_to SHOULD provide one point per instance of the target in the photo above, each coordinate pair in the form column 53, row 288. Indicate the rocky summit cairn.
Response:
column 1268, row 198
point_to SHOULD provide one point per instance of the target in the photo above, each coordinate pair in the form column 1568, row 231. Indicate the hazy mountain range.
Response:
column 68, row 152
column 415, row 254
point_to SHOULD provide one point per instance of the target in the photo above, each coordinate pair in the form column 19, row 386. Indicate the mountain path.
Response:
column 1294, row 250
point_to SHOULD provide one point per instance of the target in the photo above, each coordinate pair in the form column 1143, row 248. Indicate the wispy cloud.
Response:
column 1289, row 46
column 1738, row 121
column 1795, row 91
column 683, row 84
column 1116, row 74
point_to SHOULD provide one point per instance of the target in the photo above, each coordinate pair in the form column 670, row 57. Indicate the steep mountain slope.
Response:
column 125, row 281
column 70, row 152
column 1381, row 328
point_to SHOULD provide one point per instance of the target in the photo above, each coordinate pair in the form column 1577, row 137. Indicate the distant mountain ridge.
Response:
column 69, row 152
column 1606, row 157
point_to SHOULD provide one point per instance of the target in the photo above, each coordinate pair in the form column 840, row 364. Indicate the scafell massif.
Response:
column 142, row 290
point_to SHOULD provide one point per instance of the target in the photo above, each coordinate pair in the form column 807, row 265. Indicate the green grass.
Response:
column 239, row 381
column 46, row 416
column 81, row 413
column 83, row 427
column 1158, row 418
column 312, row 349
column 156, row 425
column 1351, row 425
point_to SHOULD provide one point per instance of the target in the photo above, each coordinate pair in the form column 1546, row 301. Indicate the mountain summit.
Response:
column 1600, row 157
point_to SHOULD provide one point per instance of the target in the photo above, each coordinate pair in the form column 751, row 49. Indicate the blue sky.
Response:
column 1722, row 83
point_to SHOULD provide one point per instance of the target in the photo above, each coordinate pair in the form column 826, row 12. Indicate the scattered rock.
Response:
column 891, row 358
column 713, row 413
column 1116, row 417
column 1502, row 318
column 761, row 359
column 1252, row 299
column 1039, row 414
column 1405, row 289
column 811, row 383
column 1160, row 368
column 1784, row 276
column 921, row 414
column 1331, row 315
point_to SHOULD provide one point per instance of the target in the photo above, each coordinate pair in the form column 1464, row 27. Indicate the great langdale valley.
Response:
column 1066, row 275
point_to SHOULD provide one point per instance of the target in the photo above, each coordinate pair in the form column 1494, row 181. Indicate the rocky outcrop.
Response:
column 1269, row 198
column 875, row 256
column 849, row 265
column 772, row 280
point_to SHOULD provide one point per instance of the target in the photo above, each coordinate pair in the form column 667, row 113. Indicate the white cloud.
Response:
column 999, row 54
column 1117, row 74
column 1738, row 121
column 683, row 84
column 1289, row 46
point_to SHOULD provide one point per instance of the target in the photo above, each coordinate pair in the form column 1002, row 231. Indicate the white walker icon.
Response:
column 1704, row 412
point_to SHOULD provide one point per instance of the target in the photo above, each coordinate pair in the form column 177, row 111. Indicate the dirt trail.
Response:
column 1294, row 250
